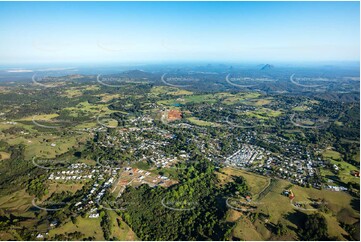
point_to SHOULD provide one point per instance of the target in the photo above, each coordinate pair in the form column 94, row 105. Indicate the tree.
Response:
column 281, row 229
column 315, row 228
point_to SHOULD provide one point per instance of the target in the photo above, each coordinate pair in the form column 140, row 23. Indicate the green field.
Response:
column 207, row 98
column 77, row 92
column 278, row 207
column 300, row 108
column 88, row 226
column 106, row 97
column 4, row 155
column 40, row 148
column 356, row 157
column 261, row 102
column 331, row 154
column 57, row 187
column 255, row 182
column 88, row 109
column 155, row 91
column 199, row 122
column 237, row 98
column 44, row 117
column 122, row 232
column 246, row 230
column 263, row 113
column 345, row 168
column 19, row 201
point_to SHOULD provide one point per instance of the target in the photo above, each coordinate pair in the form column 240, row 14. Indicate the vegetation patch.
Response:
column 4, row 155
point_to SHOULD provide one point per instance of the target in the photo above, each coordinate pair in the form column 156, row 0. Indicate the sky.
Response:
column 111, row 32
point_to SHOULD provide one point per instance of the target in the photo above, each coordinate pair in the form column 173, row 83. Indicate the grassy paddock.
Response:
column 88, row 226
column 255, row 182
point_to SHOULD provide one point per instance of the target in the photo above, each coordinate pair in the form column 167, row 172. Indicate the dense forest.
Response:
column 169, row 214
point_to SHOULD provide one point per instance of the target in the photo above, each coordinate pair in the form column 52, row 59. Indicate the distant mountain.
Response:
column 266, row 67
column 136, row 74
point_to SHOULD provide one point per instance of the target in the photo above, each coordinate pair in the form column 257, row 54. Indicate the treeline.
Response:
column 315, row 228
column 12, row 170
column 38, row 187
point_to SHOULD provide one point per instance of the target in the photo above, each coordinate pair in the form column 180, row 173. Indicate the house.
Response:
column 286, row 193
column 40, row 236
column 77, row 204
column 94, row 215
column 54, row 223
column 355, row 173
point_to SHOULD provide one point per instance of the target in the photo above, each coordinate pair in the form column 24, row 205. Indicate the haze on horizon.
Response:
column 53, row 32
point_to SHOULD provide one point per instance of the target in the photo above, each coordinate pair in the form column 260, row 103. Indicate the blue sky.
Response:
column 47, row 32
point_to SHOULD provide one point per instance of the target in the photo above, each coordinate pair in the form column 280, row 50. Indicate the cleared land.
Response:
column 279, row 208
column 4, row 155
column 255, row 182
column 345, row 168
column 88, row 226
